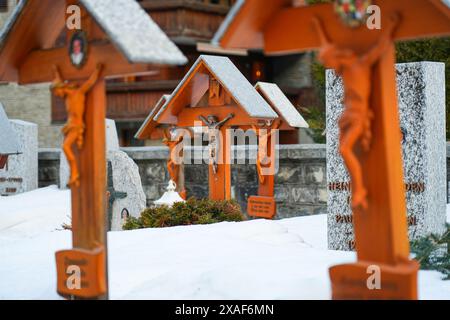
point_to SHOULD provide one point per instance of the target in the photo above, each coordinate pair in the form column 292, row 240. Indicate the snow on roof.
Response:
column 234, row 82
column 8, row 140
column 134, row 32
column 281, row 103
column 128, row 26
column 151, row 117
column 226, row 23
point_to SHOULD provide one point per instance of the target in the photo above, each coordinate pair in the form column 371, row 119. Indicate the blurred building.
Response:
column 190, row 24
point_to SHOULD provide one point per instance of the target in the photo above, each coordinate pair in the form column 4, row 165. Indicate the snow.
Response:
column 258, row 259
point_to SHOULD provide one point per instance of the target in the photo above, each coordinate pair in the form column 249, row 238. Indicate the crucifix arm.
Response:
column 324, row 40
column 92, row 79
column 166, row 133
column 57, row 74
column 204, row 120
column 221, row 123
column 385, row 40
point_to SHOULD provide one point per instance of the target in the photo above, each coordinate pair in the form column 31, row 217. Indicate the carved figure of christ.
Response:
column 355, row 123
column 75, row 100
column 214, row 126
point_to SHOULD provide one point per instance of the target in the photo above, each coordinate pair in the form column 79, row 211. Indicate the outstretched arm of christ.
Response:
column 57, row 75
column 385, row 40
column 204, row 120
column 324, row 40
column 221, row 123
column 92, row 79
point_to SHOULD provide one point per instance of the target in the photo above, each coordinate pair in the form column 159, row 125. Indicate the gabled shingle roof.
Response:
column 281, row 104
column 234, row 82
column 128, row 26
column 151, row 117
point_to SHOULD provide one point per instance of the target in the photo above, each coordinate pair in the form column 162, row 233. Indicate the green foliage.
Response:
column 315, row 115
column 431, row 253
column 191, row 212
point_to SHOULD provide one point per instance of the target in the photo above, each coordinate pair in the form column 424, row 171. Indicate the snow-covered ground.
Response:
column 257, row 259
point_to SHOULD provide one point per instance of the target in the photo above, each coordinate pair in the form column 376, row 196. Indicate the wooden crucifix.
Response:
column 99, row 47
column 214, row 138
column 215, row 94
column 370, row 137
column 263, row 205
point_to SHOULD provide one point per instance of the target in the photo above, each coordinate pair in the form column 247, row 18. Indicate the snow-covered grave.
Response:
column 258, row 259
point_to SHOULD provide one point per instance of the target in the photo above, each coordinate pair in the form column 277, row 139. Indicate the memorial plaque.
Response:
column 81, row 273
column 261, row 207
column 363, row 281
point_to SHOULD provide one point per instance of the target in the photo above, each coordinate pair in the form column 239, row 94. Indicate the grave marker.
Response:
column 421, row 96
column 8, row 144
column 215, row 93
column 366, row 58
column 119, row 39
column 21, row 173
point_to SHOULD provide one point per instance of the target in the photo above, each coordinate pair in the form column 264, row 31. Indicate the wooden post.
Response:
column 380, row 244
column 220, row 183
column 89, row 219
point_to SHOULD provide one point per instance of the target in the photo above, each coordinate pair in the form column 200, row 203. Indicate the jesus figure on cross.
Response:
column 75, row 99
column 355, row 123
column 214, row 126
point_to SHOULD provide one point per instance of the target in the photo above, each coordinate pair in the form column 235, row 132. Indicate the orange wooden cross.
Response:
column 102, row 48
column 370, row 134
column 289, row 120
column 214, row 94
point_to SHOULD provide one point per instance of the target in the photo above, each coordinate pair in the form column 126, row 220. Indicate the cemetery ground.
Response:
column 257, row 259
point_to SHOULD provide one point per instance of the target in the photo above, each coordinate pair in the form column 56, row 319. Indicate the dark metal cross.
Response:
column 113, row 195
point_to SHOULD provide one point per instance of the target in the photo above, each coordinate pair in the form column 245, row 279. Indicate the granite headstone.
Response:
column 127, row 181
column 124, row 182
column 21, row 172
column 421, row 97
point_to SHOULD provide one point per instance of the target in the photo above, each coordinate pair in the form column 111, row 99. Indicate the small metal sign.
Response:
column 81, row 273
column 261, row 207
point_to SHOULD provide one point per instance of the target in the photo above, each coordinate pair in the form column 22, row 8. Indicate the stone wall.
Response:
column 300, row 184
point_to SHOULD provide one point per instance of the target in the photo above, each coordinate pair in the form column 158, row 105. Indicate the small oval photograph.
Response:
column 78, row 48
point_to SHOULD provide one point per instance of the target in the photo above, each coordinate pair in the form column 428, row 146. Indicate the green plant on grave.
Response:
column 433, row 252
column 191, row 212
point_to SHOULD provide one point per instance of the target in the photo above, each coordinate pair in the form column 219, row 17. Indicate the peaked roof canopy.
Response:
column 150, row 123
column 36, row 24
column 275, row 25
column 195, row 84
column 8, row 140
column 281, row 104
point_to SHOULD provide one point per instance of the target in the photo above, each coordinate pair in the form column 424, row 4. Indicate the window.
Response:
column 3, row 5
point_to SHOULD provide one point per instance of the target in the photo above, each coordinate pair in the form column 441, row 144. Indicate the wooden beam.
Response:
column 246, row 29
column 37, row 67
column 420, row 19
column 187, row 116
column 89, row 200
column 38, row 26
